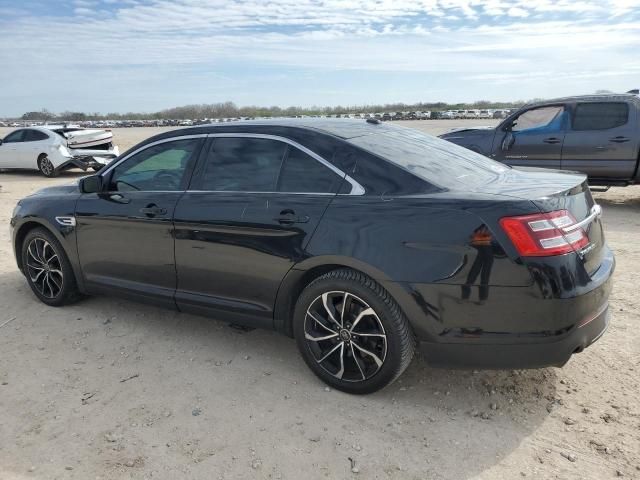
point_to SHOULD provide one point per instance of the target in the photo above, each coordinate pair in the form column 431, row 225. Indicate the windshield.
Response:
column 437, row 161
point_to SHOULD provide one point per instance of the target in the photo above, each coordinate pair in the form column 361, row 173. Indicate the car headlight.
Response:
column 16, row 209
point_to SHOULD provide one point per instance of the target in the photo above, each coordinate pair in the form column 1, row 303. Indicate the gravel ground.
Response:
column 111, row 389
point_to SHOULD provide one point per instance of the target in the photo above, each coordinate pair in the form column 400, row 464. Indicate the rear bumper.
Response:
column 518, row 355
column 528, row 331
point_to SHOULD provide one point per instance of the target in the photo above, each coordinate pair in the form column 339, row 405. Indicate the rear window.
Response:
column 600, row 116
column 436, row 161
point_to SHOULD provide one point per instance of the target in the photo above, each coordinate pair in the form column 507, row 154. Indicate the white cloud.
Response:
column 469, row 40
column 517, row 12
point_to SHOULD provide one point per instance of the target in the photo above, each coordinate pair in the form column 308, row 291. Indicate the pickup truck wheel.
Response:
column 46, row 167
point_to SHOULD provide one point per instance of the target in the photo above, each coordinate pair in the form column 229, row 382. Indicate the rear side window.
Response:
column 35, row 136
column 600, row 116
column 435, row 161
column 303, row 174
column 243, row 165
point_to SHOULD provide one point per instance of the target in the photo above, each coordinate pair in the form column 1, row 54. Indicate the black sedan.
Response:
column 361, row 240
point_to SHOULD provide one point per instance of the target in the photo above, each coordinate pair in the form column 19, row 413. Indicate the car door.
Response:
column 602, row 140
column 254, row 203
column 125, row 233
column 10, row 151
column 533, row 139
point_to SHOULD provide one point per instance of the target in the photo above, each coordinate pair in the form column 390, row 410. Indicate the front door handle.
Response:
column 116, row 197
column 153, row 210
column 551, row 140
column 619, row 139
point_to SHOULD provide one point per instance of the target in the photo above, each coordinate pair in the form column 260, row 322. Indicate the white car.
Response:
column 54, row 148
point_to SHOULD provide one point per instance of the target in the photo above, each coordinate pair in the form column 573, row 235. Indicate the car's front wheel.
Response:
column 46, row 167
column 47, row 269
column 351, row 332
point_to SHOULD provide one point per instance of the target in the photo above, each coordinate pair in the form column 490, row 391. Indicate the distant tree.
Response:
column 73, row 116
column 42, row 115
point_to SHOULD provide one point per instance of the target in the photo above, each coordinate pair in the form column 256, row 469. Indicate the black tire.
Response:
column 47, row 268
column 46, row 167
column 385, row 332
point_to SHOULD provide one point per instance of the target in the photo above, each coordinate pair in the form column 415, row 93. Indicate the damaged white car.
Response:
column 54, row 148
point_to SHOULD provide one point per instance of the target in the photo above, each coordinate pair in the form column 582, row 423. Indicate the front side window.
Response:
column 14, row 137
column 600, row 116
column 543, row 119
column 243, row 164
column 157, row 168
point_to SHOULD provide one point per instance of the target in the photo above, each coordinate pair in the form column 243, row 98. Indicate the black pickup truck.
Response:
column 597, row 134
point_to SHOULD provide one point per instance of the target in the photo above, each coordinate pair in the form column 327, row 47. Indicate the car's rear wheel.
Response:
column 46, row 167
column 47, row 269
column 352, row 333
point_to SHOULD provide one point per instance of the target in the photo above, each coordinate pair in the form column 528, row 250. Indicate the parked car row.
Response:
column 384, row 116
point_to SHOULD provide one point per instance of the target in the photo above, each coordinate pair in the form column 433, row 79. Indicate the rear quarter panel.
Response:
column 411, row 239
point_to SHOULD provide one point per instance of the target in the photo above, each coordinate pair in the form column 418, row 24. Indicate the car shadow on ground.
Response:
column 255, row 387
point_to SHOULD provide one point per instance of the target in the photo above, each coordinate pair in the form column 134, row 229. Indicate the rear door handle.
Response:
column 619, row 139
column 289, row 217
column 153, row 210
column 551, row 140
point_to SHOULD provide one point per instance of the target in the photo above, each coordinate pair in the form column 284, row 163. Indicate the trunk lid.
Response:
column 89, row 138
column 552, row 191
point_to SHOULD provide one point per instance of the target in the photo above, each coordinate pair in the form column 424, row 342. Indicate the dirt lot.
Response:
column 111, row 389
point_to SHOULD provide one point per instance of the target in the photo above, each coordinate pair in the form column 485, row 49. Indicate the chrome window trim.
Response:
column 113, row 165
column 356, row 188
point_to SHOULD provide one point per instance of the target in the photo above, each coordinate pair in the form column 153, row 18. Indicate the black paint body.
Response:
column 224, row 255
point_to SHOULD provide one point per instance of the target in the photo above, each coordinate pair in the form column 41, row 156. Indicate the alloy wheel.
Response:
column 44, row 268
column 46, row 166
column 345, row 336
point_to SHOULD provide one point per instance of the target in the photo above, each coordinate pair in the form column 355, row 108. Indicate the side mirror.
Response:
column 92, row 184
column 508, row 141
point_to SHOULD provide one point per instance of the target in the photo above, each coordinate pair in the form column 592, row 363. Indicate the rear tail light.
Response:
column 544, row 234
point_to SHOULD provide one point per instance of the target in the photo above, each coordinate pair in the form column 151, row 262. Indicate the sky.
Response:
column 146, row 55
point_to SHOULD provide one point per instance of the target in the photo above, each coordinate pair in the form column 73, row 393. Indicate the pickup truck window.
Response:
column 600, row 116
column 548, row 118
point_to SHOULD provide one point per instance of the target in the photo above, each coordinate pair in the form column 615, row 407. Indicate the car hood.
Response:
column 465, row 131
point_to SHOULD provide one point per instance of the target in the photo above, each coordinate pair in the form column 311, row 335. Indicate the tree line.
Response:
column 231, row 110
